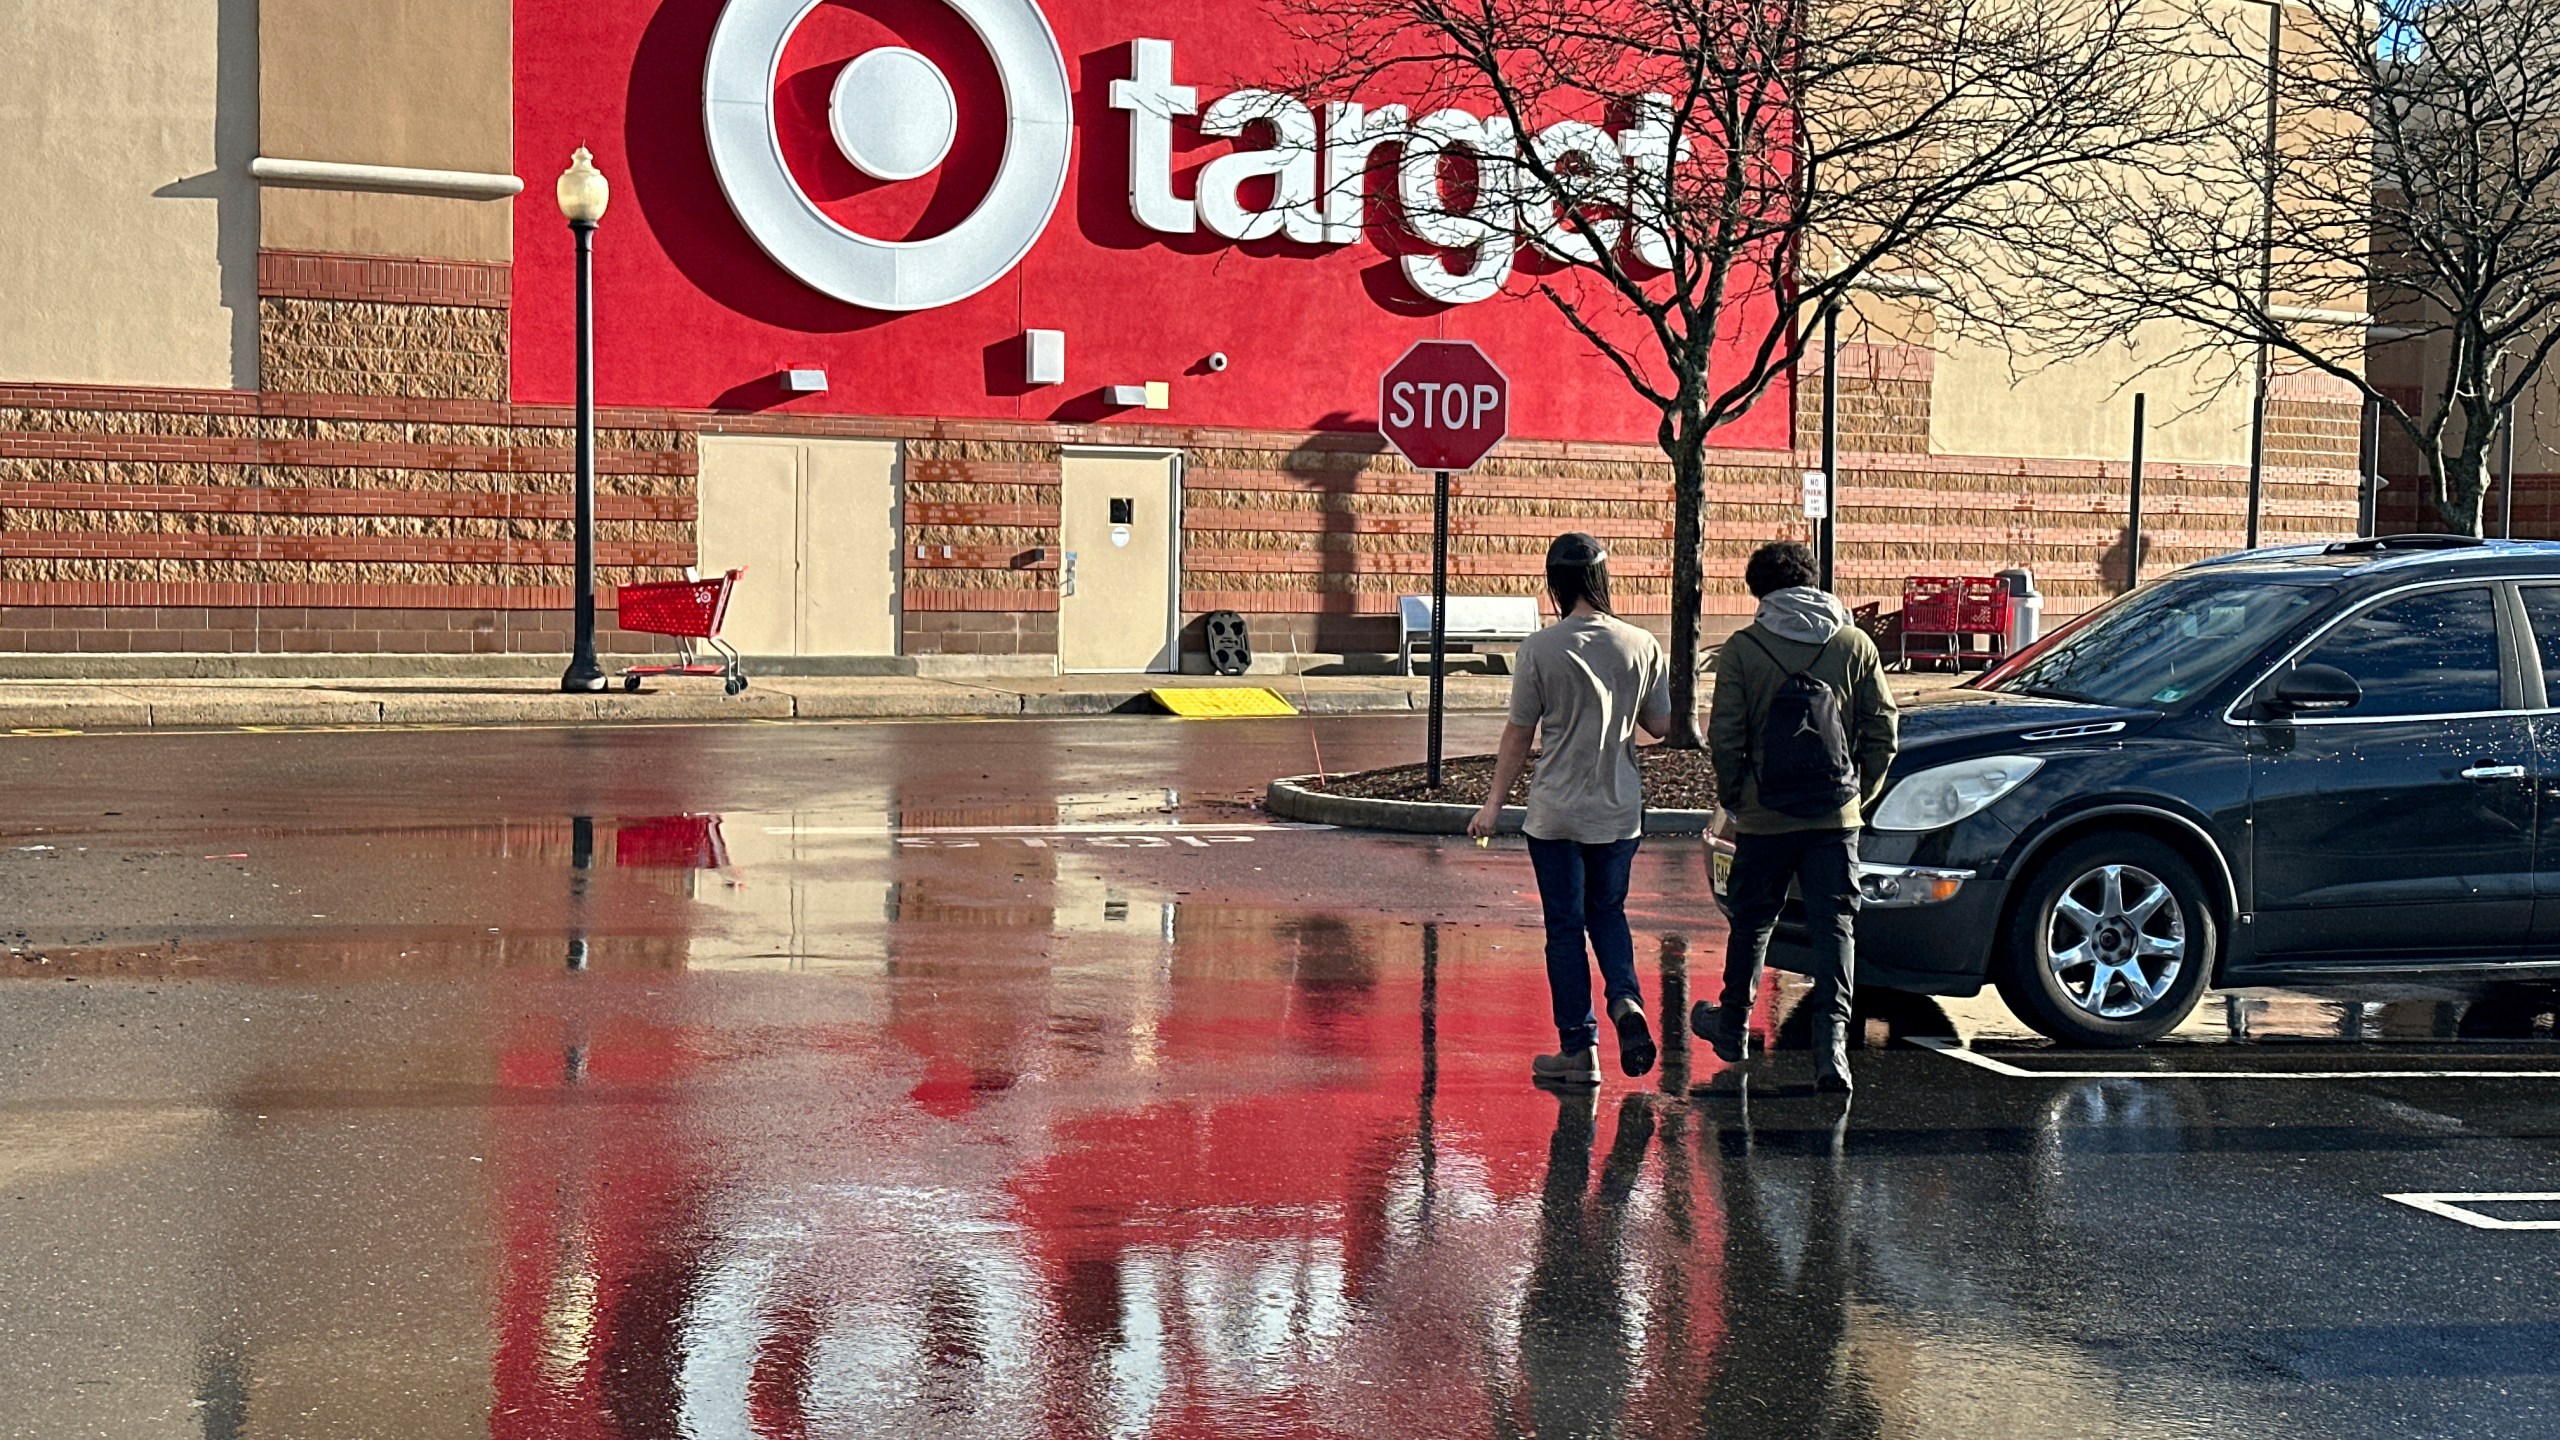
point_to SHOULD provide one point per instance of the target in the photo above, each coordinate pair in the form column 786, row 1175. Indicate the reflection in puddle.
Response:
column 1049, row 1147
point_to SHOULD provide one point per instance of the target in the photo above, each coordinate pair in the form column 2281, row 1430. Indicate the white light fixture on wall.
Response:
column 1044, row 357
column 1153, row 395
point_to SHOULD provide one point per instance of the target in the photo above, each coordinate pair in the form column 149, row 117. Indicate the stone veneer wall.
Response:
column 380, row 495
column 200, row 520
column 156, row 520
column 352, row 325
column 1884, row 404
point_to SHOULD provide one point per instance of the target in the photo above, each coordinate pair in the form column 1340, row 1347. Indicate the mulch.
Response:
column 1673, row 780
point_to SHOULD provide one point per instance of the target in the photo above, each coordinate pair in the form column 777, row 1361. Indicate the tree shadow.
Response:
column 672, row 182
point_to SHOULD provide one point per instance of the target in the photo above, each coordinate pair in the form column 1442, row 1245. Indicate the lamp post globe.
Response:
column 583, row 193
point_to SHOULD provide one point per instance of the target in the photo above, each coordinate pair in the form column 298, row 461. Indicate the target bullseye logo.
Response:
column 894, row 115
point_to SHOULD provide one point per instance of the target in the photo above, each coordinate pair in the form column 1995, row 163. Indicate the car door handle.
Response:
column 2494, row 772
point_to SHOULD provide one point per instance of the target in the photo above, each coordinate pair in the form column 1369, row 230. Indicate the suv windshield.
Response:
column 2159, row 645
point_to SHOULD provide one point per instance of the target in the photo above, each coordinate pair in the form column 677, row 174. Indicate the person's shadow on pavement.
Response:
column 1572, row 1339
column 1786, row 1366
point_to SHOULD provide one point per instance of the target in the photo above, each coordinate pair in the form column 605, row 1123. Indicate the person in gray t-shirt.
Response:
column 1588, row 682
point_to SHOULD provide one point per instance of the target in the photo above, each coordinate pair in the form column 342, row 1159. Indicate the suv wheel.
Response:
column 2112, row 944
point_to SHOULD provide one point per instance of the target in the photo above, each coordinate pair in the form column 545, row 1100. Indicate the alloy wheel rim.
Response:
column 2115, row 941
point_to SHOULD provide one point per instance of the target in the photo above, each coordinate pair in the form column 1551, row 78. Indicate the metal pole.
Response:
column 2133, row 522
column 1830, row 438
column 2266, row 280
column 584, row 675
column 2507, row 479
column 1439, row 612
column 2369, row 468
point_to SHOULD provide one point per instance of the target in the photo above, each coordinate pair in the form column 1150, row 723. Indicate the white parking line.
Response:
column 1954, row 1050
column 2451, row 1205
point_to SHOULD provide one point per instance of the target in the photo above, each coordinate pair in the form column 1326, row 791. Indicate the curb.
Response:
column 349, row 704
column 1290, row 799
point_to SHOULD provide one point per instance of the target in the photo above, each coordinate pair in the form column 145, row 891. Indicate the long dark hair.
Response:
column 1578, row 570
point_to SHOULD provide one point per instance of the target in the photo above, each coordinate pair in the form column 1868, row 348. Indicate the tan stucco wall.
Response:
column 423, row 83
column 128, row 243
column 1989, row 402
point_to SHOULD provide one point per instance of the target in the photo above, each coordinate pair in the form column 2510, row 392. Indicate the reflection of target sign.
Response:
column 893, row 114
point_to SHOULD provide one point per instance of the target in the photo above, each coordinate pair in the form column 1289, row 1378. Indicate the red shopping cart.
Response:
column 691, row 611
column 670, row 842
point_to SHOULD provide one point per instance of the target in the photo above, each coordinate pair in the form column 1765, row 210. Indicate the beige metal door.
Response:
column 849, row 547
column 1119, row 518
column 748, row 506
column 815, row 524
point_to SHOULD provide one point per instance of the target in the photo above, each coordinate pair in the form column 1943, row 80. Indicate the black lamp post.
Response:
column 583, row 194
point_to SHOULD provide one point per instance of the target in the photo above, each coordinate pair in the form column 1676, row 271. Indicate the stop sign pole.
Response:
column 1442, row 405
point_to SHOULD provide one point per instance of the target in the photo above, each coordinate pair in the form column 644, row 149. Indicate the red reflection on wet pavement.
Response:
column 1305, row 1192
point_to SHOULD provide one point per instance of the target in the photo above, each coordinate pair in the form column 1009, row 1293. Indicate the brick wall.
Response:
column 1883, row 404
column 380, row 494
column 981, row 510
column 143, row 505
column 358, row 325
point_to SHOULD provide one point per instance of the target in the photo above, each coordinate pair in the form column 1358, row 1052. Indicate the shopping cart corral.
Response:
column 690, row 610
column 1953, row 609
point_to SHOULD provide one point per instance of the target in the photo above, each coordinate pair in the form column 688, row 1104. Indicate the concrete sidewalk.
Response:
column 142, row 702
column 152, row 704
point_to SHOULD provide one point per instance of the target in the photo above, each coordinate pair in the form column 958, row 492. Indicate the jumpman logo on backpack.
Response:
column 1804, row 767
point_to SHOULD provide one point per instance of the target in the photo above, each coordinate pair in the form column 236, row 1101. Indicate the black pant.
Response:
column 1822, row 863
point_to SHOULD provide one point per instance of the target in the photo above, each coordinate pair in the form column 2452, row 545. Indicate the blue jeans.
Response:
column 1583, row 889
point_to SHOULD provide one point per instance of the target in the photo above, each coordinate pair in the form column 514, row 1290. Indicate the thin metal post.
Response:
column 1439, row 613
column 1830, row 439
column 2369, row 469
column 2133, row 507
column 2266, row 280
column 2507, row 476
column 584, row 675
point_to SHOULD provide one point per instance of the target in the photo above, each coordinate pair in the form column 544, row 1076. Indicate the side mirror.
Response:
column 2313, row 688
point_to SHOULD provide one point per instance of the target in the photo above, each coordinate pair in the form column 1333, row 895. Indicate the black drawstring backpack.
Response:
column 1804, row 768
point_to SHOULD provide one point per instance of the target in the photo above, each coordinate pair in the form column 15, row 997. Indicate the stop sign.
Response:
column 1443, row 405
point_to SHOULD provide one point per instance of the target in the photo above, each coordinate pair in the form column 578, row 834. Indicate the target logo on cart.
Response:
column 893, row 114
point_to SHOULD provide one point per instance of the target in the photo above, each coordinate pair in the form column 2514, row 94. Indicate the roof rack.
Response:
column 2377, row 544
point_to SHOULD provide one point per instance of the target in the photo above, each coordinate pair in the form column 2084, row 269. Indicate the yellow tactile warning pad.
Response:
column 1225, row 702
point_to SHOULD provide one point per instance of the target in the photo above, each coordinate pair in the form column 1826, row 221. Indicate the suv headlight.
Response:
column 1946, row 794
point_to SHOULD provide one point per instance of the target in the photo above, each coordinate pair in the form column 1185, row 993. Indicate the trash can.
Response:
column 2026, row 607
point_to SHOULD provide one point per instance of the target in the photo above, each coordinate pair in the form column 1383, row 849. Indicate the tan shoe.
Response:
column 1574, row 1067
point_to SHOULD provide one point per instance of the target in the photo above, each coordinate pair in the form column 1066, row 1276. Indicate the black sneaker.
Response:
column 1727, row 1031
column 1635, row 1041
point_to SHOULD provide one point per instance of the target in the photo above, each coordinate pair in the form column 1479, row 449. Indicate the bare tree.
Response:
column 2388, row 188
column 1694, row 182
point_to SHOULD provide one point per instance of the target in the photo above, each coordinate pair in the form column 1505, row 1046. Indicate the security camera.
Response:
column 1217, row 361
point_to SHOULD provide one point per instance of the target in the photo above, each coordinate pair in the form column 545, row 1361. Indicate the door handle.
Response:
column 2494, row 772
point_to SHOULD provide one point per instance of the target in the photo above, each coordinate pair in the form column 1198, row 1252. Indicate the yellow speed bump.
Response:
column 1226, row 702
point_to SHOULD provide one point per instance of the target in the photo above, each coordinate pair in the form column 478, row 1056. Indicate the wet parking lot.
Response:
column 1020, row 1079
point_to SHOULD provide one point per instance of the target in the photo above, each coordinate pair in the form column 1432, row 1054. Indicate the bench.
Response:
column 1473, row 620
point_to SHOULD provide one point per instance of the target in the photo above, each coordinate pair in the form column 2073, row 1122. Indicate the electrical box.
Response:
column 1044, row 357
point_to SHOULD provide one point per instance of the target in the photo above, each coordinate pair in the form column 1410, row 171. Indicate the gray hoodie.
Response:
column 1801, row 612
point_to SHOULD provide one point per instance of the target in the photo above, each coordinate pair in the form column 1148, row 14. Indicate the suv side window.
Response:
column 2434, row 653
column 2542, row 610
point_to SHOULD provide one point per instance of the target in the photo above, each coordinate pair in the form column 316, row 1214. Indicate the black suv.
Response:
column 2306, row 764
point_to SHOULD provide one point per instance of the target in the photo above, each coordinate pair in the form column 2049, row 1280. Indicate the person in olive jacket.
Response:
column 1799, row 630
